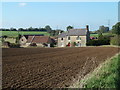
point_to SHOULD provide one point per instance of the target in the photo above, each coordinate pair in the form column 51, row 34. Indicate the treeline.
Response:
column 47, row 28
column 24, row 29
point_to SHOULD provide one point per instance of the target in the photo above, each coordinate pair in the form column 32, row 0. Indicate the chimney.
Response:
column 59, row 33
column 87, row 27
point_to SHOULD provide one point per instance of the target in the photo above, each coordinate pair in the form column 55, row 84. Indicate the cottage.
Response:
column 74, row 37
column 39, row 40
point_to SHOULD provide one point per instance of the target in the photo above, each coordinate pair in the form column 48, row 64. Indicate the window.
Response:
column 61, row 38
column 78, row 38
column 68, row 38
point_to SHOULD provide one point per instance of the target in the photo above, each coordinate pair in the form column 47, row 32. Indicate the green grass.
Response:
column 15, row 33
column 107, row 76
column 96, row 35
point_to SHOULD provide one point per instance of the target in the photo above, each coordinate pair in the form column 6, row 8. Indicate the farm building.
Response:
column 39, row 40
column 74, row 37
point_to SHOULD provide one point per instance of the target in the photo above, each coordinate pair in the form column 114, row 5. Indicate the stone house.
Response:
column 39, row 40
column 74, row 37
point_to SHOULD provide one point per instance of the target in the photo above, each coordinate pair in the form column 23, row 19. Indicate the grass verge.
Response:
column 105, row 76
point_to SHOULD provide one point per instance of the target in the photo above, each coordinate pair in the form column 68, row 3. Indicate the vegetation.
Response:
column 104, row 34
column 48, row 28
column 55, row 32
column 107, row 76
column 101, row 29
column 69, row 27
column 14, row 45
column 116, row 28
column 100, row 36
column 14, row 34
column 115, row 40
column 102, row 40
column 24, row 29
column 98, row 42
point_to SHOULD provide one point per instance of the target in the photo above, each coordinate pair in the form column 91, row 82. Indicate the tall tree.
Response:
column 48, row 28
column 30, row 29
column 69, row 27
column 20, row 29
column 100, row 36
column 103, row 29
column 116, row 28
column 13, row 29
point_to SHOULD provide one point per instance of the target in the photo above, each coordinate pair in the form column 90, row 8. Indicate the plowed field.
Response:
column 50, row 67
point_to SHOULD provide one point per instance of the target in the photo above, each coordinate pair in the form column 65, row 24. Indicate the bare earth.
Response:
column 50, row 67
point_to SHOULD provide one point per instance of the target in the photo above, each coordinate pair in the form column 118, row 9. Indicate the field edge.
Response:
column 82, row 83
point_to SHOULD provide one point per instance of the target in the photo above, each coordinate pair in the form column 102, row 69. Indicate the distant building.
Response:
column 39, row 40
column 103, row 29
column 74, row 37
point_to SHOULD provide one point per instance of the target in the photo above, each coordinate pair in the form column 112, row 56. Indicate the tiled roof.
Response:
column 26, row 36
column 74, row 32
column 38, row 39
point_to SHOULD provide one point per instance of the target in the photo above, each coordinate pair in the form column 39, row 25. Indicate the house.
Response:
column 39, row 40
column 74, row 37
column 23, row 39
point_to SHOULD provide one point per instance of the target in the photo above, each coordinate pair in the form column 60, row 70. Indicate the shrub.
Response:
column 52, row 45
column 115, row 40
column 98, row 42
column 14, row 45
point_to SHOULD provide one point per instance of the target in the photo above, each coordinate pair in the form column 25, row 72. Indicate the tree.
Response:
column 116, row 28
column 100, row 36
column 13, row 29
column 69, row 27
column 17, row 39
column 30, row 29
column 5, row 36
column 115, row 40
column 20, row 29
column 48, row 28
column 103, row 29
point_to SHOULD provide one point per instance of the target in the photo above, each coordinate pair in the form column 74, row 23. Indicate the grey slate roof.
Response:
column 74, row 32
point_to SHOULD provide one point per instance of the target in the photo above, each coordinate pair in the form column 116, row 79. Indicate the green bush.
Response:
column 14, row 45
column 98, row 42
column 52, row 45
column 115, row 40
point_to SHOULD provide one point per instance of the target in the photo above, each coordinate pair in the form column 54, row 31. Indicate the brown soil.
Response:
column 50, row 67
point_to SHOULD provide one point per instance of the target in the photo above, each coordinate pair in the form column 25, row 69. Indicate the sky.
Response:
column 59, row 14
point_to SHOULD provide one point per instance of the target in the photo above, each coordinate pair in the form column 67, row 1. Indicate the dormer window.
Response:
column 78, row 38
column 68, row 38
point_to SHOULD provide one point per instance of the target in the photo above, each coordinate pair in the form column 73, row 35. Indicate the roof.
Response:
column 74, row 32
column 38, row 39
column 26, row 36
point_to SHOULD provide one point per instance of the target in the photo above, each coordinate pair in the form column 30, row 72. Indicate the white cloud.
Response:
column 22, row 4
